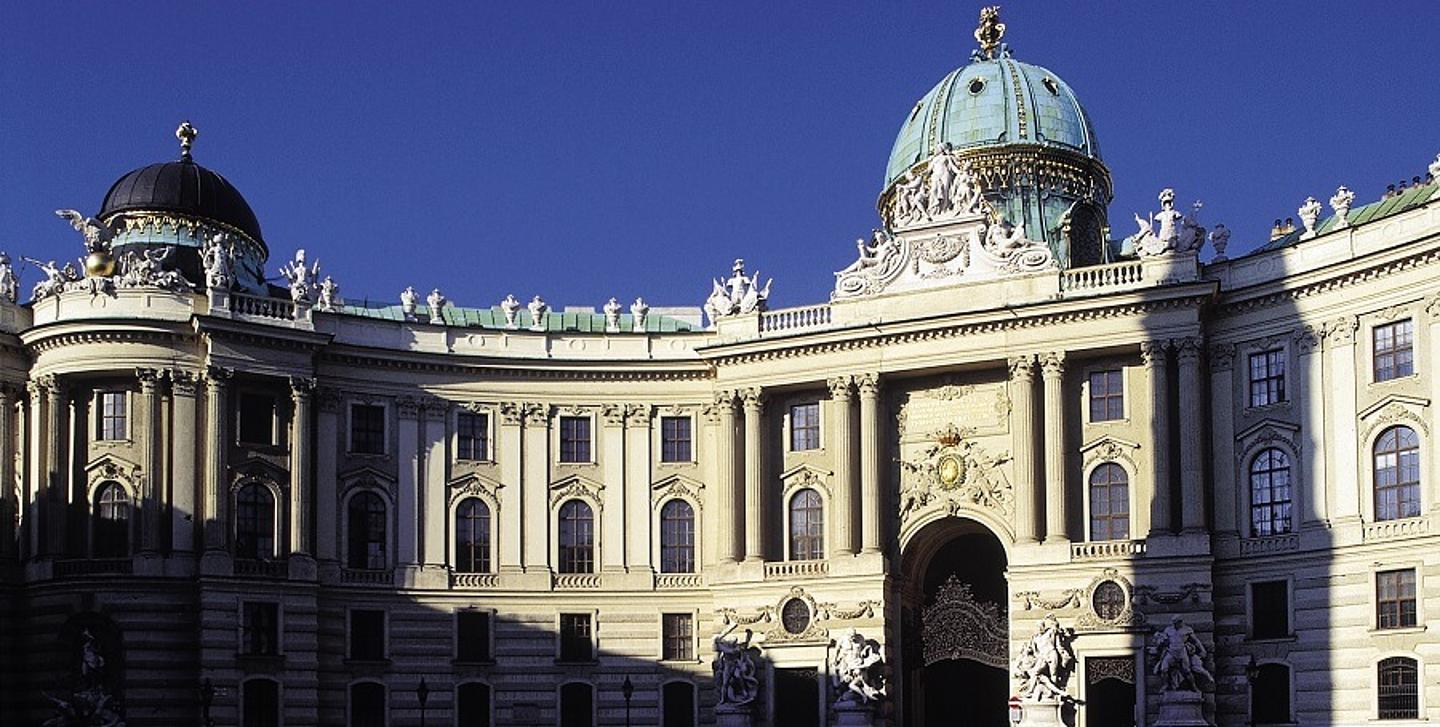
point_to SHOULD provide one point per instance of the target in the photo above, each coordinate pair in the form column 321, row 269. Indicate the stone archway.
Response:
column 954, row 626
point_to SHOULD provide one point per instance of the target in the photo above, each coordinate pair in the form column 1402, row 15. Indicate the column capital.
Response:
column 1187, row 349
column 7, row 390
column 435, row 407
column 1022, row 368
column 613, row 415
column 839, row 387
column 1154, row 353
column 637, row 415
column 868, row 384
column 1222, row 357
column 1307, row 338
column 753, row 399
column 1432, row 308
column 149, row 379
column 534, row 414
column 217, row 376
column 1340, row 331
column 182, row 382
column 1052, row 364
column 408, row 407
column 301, row 387
column 723, row 399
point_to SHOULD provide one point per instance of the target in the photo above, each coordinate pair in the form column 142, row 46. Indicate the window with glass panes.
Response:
column 574, row 439
column 472, row 536
column 112, row 416
column 1109, row 503
column 367, row 429
column 575, row 639
column 1107, row 396
column 577, row 538
column 675, row 439
column 1394, row 350
column 1395, row 599
column 1397, row 474
column 679, row 637
column 1270, row 490
column 807, row 526
column 471, row 432
column 1267, row 377
column 677, row 537
column 805, row 427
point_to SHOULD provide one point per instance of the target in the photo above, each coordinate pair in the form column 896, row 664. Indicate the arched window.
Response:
column 807, row 526
column 112, row 521
column 1397, row 474
column 254, row 523
column 367, row 704
column 577, row 705
column 472, row 536
column 677, row 537
column 577, row 538
column 260, row 703
column 677, row 705
column 1109, row 503
column 1270, row 493
column 366, row 532
column 1398, row 680
column 1270, row 695
column 472, row 705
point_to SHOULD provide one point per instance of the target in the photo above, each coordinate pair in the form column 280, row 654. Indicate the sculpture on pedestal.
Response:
column 612, row 315
column 218, row 257
column 538, row 309
column 98, row 238
column 510, row 306
column 408, row 300
column 1177, row 233
column 641, row 311
column 736, row 674
column 330, row 299
column 300, row 278
column 857, row 670
column 1181, row 657
column 941, row 188
column 1341, row 203
column 738, row 295
column 88, row 703
column 1309, row 215
column 1220, row 239
column 1045, row 663
column 9, row 285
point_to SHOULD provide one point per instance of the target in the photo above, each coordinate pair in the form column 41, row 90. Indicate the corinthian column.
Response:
column 55, row 468
column 842, row 444
column 754, row 474
column 153, row 439
column 1022, row 445
column 1052, row 367
column 1156, row 360
column 869, row 386
column 1341, row 374
column 302, row 496
column 214, row 525
column 728, row 531
column 1222, row 413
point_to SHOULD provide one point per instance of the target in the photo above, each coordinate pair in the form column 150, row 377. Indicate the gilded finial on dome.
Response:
column 186, row 134
column 989, row 33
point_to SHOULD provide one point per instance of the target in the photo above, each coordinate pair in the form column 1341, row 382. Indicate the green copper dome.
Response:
column 993, row 103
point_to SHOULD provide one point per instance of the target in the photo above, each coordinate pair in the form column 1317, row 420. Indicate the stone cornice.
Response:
column 522, row 369
column 48, row 341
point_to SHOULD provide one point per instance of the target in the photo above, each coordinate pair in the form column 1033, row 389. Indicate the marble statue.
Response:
column 909, row 203
column 219, row 261
column 147, row 270
column 738, row 295
column 1045, row 663
column 1309, row 215
column 330, row 299
column 1220, row 239
column 640, row 310
column 1434, row 169
column 437, row 303
column 1002, row 237
column 941, row 188
column 1177, row 232
column 98, row 236
column 737, row 679
column 88, row 703
column 612, row 315
column 538, row 309
column 857, row 670
column 510, row 306
column 882, row 245
column 1180, row 661
column 408, row 300
column 9, row 284
column 301, row 279
column 1341, row 203
column 53, row 283
column 943, row 171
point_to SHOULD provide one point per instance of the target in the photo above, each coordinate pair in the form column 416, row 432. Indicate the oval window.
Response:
column 795, row 616
column 1051, row 86
column 1108, row 600
column 976, row 86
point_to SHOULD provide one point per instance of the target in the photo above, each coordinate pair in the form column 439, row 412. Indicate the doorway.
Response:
column 1109, row 691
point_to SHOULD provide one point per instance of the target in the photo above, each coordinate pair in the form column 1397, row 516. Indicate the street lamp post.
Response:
column 1252, row 672
column 627, row 689
column 423, row 692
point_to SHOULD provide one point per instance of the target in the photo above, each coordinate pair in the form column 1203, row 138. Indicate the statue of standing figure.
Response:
column 510, row 307
column 437, row 302
column 736, row 678
column 857, row 670
column 1045, row 663
column 9, row 284
column 301, row 279
column 219, row 261
column 640, row 310
column 1181, row 658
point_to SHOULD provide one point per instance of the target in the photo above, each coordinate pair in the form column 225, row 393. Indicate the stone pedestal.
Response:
column 1048, row 713
column 734, row 715
column 854, row 714
column 1182, row 709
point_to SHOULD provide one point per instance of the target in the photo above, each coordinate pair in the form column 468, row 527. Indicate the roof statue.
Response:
column 1178, row 232
column 989, row 33
column 437, row 302
column 738, row 295
column 1309, row 216
column 1341, row 203
column 186, row 134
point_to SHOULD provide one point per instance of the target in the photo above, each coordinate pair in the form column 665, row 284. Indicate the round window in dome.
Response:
column 976, row 86
column 1051, row 86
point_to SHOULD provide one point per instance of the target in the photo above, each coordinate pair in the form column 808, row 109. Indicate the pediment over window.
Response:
column 256, row 469
column 1396, row 409
column 1108, row 449
column 109, row 467
column 367, row 476
column 577, row 486
column 676, row 486
column 805, row 475
column 1268, row 433
column 475, row 485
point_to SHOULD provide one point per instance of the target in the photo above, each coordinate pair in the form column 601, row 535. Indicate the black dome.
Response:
column 184, row 187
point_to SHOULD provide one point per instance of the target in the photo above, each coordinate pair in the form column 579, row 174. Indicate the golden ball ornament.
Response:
column 99, row 265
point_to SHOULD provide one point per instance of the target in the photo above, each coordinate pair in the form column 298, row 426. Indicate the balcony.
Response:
column 474, row 580
column 1270, row 544
column 1102, row 278
column 788, row 569
column 678, row 581
column 1412, row 527
column 576, row 581
column 1107, row 549
column 357, row 577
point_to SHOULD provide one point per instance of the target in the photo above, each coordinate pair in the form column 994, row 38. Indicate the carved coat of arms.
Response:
column 955, row 473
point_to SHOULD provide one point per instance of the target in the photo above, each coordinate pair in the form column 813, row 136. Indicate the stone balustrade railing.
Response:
column 677, row 581
column 795, row 319
column 1106, row 549
column 1098, row 278
column 785, row 569
column 474, row 580
column 367, row 577
column 260, row 307
column 1269, row 544
column 576, row 581
column 1396, row 529
column 261, row 568
column 95, row 566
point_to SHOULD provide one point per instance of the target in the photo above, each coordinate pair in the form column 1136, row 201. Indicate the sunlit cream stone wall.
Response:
column 263, row 505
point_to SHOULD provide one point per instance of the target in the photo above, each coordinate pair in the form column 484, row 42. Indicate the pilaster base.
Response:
column 302, row 567
column 215, row 563
column 1182, row 709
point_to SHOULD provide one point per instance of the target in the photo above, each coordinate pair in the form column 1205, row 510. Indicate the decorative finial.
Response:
column 186, row 134
column 989, row 33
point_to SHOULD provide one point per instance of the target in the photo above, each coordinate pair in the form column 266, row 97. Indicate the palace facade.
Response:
column 263, row 505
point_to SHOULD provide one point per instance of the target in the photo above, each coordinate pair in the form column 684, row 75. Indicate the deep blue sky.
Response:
column 583, row 150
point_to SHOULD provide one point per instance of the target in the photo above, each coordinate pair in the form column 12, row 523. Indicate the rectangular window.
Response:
column 367, row 429
column 1395, row 599
column 575, row 640
column 679, row 637
column 674, row 439
column 472, row 635
column 367, row 634
column 1394, row 350
column 1267, row 377
column 257, row 418
column 112, row 416
column 805, row 427
column 260, row 628
column 471, row 432
column 1270, row 610
column 1107, row 396
column 574, row 439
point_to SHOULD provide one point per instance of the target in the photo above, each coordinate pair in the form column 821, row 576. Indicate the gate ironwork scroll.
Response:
column 957, row 626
